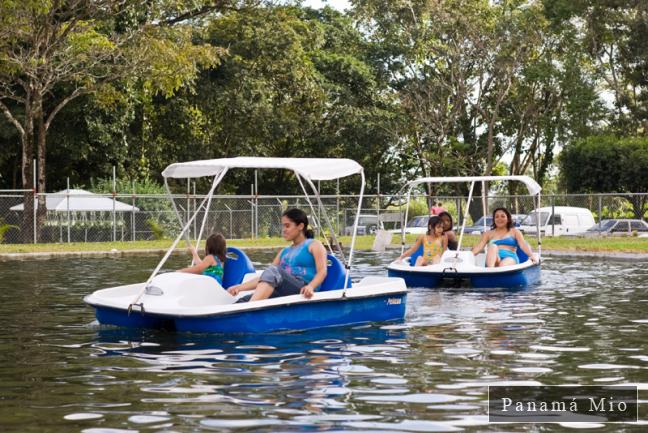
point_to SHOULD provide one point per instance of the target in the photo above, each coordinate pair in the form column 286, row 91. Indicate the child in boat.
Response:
column 434, row 242
column 213, row 265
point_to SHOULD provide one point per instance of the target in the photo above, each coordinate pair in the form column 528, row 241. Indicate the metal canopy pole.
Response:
column 463, row 223
column 183, row 232
column 404, row 222
column 355, row 229
column 313, row 213
column 484, row 205
column 328, row 221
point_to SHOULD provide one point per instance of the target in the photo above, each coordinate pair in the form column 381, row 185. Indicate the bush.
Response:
column 4, row 228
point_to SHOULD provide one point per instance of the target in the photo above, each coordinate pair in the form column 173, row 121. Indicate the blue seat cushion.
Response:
column 417, row 253
column 522, row 255
column 335, row 274
column 236, row 266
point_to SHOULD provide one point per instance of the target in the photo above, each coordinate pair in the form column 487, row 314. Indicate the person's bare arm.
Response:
column 412, row 249
column 481, row 244
column 522, row 244
column 199, row 267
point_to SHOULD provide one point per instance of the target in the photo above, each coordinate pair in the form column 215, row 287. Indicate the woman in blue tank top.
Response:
column 503, row 240
column 298, row 268
column 213, row 265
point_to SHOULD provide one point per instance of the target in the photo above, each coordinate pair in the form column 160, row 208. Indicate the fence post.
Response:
column 337, row 206
column 114, row 193
column 195, row 234
column 600, row 212
column 133, row 212
column 252, row 211
column 35, row 197
column 553, row 216
column 231, row 232
column 67, row 199
column 378, row 202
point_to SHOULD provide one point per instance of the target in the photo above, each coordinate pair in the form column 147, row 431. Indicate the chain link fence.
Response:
column 85, row 217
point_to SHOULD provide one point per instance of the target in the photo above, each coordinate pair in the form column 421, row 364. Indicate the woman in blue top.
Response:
column 213, row 265
column 503, row 241
column 299, row 268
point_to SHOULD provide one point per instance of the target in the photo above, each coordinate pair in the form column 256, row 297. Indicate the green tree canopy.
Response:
column 607, row 164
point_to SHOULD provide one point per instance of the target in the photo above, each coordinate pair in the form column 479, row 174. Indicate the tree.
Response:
column 607, row 164
column 613, row 34
column 54, row 52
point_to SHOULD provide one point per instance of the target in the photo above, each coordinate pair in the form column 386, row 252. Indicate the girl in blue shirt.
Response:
column 298, row 268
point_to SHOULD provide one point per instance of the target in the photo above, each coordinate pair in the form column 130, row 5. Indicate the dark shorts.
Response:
column 284, row 283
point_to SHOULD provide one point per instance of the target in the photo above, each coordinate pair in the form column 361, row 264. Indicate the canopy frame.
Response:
column 219, row 167
column 532, row 186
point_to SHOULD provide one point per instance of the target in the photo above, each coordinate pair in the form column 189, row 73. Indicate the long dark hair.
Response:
column 298, row 216
column 441, row 215
column 509, row 218
column 432, row 223
column 216, row 245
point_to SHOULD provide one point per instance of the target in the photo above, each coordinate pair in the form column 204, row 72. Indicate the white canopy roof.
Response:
column 532, row 185
column 310, row 168
column 80, row 201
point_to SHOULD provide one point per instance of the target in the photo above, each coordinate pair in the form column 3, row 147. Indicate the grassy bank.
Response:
column 611, row 245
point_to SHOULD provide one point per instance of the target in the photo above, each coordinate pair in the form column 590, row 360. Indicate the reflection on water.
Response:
column 585, row 323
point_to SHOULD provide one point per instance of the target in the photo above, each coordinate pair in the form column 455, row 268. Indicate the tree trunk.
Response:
column 41, row 212
column 27, row 225
column 27, row 139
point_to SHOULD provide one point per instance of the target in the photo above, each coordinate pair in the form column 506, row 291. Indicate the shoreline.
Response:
column 6, row 257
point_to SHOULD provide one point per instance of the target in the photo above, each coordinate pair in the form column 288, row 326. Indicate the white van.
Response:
column 565, row 220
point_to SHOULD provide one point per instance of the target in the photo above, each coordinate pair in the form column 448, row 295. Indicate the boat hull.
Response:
column 514, row 279
column 311, row 315
column 308, row 315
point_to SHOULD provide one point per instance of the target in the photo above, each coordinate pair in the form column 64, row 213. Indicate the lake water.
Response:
column 587, row 323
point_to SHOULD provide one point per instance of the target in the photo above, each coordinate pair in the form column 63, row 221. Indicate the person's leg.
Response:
column 420, row 261
column 436, row 259
column 507, row 262
column 263, row 291
column 492, row 256
column 507, row 258
column 269, row 279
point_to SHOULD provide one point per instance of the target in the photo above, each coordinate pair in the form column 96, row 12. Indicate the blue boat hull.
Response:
column 516, row 279
column 118, row 317
column 308, row 315
column 346, row 311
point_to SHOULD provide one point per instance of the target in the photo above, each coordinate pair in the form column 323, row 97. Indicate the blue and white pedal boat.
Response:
column 198, row 303
column 462, row 268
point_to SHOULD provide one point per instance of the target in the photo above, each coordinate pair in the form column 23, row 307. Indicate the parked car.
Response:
column 564, row 220
column 417, row 225
column 478, row 227
column 367, row 224
column 618, row 227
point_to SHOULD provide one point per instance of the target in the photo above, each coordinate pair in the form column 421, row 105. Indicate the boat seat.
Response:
column 335, row 274
column 522, row 255
column 237, row 265
column 417, row 253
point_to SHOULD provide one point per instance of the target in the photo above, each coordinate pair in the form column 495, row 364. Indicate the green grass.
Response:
column 614, row 244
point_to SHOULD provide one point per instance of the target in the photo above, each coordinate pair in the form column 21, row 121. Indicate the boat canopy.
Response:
column 309, row 168
column 532, row 185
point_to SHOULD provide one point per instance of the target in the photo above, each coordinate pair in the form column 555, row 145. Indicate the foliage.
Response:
column 4, row 228
column 156, row 229
column 607, row 163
